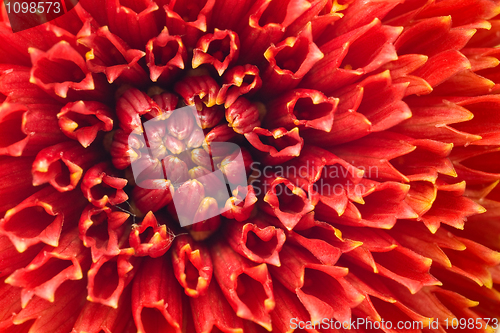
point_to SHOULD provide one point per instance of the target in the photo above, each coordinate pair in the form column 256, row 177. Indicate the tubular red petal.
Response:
column 153, row 242
column 198, row 90
column 103, row 230
column 265, row 23
column 304, row 108
column 26, row 131
column 13, row 135
column 256, row 241
column 239, row 80
column 189, row 18
column 101, row 187
column 370, row 212
column 40, row 217
column 243, row 116
column 165, row 56
column 96, row 318
column 372, row 9
column 440, row 114
column 464, row 12
column 435, row 73
column 247, row 288
column 300, row 273
column 134, row 21
column 125, row 149
column 219, row 49
column 110, row 55
column 59, row 69
column 50, row 268
column 82, row 120
column 212, row 311
column 108, row 277
column 353, row 54
column 443, row 208
column 167, row 102
column 287, row 201
column 152, row 194
column 156, row 297
column 288, row 62
column 376, row 160
column 239, row 209
column 278, row 146
column 63, row 165
column 192, row 266
column 288, row 311
column 131, row 106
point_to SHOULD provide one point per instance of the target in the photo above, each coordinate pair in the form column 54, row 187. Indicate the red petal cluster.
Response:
column 363, row 137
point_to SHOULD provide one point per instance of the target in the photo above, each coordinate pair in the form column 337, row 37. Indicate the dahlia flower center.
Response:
column 177, row 145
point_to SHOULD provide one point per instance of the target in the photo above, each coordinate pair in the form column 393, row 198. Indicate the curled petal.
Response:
column 82, row 120
column 238, row 208
column 103, row 230
column 287, row 201
column 192, row 265
column 198, row 90
column 63, row 165
column 264, row 23
column 40, row 218
column 304, row 108
column 50, row 268
column 256, row 241
column 59, row 69
column 125, row 149
column 288, row 62
column 108, row 277
column 153, row 242
column 239, row 80
column 167, row 103
column 165, row 56
column 135, row 21
column 247, row 288
column 219, row 49
column 156, row 297
column 189, row 19
column 27, row 131
column 101, row 188
column 279, row 145
column 110, row 55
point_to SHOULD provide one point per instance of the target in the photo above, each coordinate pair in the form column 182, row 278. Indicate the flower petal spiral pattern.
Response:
column 368, row 132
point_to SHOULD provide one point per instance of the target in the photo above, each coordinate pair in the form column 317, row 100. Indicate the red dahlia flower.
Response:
column 363, row 137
